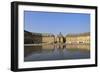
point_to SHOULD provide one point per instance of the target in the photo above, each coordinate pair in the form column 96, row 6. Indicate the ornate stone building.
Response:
column 36, row 38
column 78, row 38
column 59, row 38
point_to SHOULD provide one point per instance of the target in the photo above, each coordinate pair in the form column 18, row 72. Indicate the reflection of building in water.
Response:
column 78, row 38
column 78, row 46
column 48, row 46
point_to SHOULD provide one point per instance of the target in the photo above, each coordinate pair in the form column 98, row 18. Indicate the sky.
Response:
column 54, row 22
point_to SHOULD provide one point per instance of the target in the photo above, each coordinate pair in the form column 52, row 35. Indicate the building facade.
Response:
column 36, row 38
column 59, row 38
column 82, row 38
column 48, row 38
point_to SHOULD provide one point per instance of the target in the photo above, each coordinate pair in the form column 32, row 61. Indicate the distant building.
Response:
column 78, row 38
column 60, row 38
column 36, row 38
column 48, row 38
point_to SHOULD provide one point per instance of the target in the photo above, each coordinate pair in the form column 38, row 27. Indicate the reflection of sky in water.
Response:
column 55, row 54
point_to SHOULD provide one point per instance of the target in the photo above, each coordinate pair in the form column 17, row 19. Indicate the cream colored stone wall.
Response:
column 59, row 40
column 48, row 39
column 84, row 39
column 71, row 39
column 78, row 39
